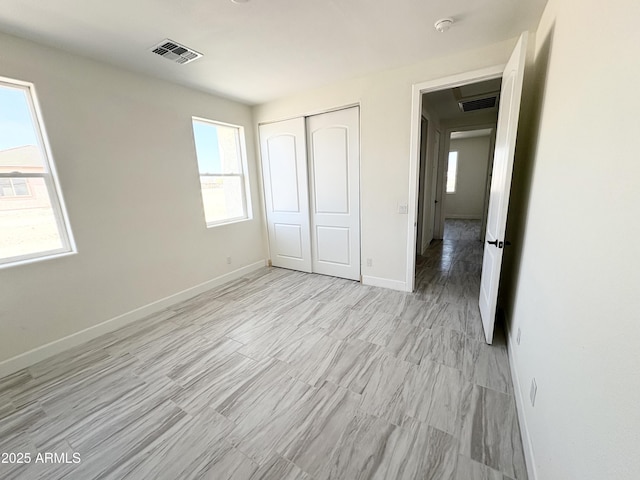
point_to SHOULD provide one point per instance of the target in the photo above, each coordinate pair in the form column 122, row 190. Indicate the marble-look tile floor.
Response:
column 282, row 375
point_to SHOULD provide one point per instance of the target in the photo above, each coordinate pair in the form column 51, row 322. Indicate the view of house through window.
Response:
column 31, row 218
column 222, row 166
column 452, row 172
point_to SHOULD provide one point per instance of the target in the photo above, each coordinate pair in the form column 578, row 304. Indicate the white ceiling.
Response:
column 265, row 49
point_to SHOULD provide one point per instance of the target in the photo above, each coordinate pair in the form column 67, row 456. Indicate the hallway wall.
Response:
column 473, row 162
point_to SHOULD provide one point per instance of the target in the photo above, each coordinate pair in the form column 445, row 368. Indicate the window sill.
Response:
column 42, row 258
column 228, row 222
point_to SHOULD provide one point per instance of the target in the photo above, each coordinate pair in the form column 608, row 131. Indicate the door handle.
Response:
column 499, row 244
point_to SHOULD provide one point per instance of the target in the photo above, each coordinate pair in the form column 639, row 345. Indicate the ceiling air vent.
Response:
column 470, row 105
column 175, row 52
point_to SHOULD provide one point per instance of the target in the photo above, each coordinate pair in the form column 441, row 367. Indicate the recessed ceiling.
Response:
column 482, row 132
column 265, row 49
column 444, row 103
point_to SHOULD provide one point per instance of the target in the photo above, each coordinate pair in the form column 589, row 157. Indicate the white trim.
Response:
column 522, row 420
column 384, row 283
column 43, row 352
column 414, row 157
column 27, row 259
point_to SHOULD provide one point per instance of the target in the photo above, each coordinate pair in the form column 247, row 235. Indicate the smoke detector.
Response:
column 443, row 24
column 175, row 52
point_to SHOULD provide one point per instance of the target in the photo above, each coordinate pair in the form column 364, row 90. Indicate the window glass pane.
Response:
column 229, row 141
column 452, row 172
column 217, row 148
column 6, row 189
column 29, row 210
column 27, row 223
column 222, row 171
column 18, row 139
column 20, row 187
column 222, row 198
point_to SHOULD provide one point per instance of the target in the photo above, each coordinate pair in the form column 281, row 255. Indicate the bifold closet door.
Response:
column 333, row 144
column 284, row 172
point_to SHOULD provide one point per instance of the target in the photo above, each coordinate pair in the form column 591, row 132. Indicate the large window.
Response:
column 452, row 172
column 222, row 162
column 32, row 221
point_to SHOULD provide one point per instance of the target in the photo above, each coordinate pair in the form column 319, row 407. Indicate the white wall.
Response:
column 385, row 123
column 473, row 162
column 124, row 150
column 574, row 271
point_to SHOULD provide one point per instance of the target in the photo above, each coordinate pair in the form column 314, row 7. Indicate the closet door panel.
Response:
column 285, row 180
column 334, row 165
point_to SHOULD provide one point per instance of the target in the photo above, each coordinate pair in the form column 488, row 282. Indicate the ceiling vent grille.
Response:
column 175, row 52
column 478, row 103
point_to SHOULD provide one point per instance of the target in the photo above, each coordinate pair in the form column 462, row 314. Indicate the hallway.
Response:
column 283, row 374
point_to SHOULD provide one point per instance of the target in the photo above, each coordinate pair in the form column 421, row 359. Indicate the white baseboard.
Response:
column 519, row 397
column 463, row 217
column 384, row 283
column 24, row 360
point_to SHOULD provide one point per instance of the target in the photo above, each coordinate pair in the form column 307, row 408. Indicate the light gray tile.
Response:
column 470, row 470
column 212, row 386
column 473, row 322
column 191, row 448
column 262, row 427
column 489, row 431
column 443, row 345
column 101, row 419
column 354, row 364
column 318, row 425
column 407, row 342
column 435, row 394
column 373, row 448
column 103, row 454
column 488, row 365
column 387, row 395
column 277, row 468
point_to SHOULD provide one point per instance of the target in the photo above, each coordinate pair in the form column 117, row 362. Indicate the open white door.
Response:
column 508, row 113
column 334, row 167
column 284, row 171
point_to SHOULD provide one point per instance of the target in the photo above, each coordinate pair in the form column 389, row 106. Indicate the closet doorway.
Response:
column 311, row 178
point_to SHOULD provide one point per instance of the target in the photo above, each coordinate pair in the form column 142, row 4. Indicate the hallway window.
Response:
column 33, row 222
column 452, row 172
column 222, row 164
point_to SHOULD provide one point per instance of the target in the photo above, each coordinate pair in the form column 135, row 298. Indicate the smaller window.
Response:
column 220, row 151
column 14, row 187
column 452, row 172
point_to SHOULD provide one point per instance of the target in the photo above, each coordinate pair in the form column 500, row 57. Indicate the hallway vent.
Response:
column 175, row 52
column 483, row 103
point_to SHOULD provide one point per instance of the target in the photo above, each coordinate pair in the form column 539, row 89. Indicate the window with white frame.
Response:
column 33, row 223
column 452, row 172
column 222, row 164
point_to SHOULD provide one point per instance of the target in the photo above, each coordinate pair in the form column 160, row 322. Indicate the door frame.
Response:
column 418, row 89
